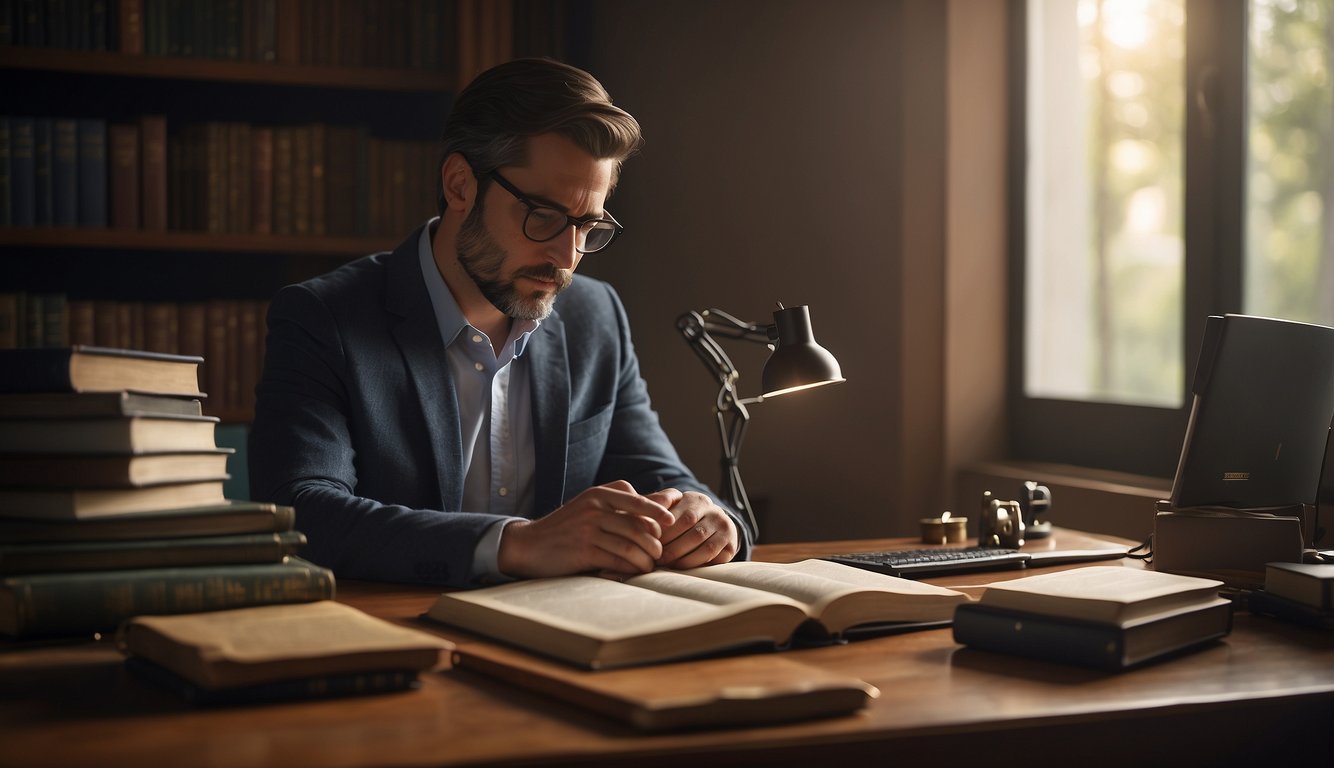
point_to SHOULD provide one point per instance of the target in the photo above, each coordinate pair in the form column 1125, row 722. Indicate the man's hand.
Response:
column 606, row 528
column 702, row 534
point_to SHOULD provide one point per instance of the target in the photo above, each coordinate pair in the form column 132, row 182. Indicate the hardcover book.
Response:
column 132, row 471
column 1311, row 584
column 706, row 693
column 64, row 557
column 276, row 643
column 601, row 623
column 232, row 517
column 74, row 405
column 1107, row 617
column 318, row 687
column 98, row 369
column 82, row 503
column 136, row 434
column 94, row 601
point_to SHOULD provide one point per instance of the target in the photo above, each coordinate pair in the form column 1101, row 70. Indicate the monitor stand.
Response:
column 1228, row 544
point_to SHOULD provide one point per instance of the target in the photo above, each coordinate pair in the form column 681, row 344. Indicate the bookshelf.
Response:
column 299, row 134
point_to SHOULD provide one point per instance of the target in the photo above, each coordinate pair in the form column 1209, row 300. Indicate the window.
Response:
column 1175, row 159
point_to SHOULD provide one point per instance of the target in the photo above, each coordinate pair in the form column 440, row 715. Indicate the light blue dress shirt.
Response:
column 495, row 413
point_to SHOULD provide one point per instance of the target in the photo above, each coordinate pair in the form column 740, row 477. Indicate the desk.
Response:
column 1263, row 695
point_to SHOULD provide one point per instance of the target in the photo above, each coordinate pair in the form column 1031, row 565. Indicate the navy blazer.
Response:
column 356, row 419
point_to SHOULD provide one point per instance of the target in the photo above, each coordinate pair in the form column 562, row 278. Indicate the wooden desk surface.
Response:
column 1267, row 691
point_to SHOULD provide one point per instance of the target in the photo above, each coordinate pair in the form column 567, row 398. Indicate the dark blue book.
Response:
column 22, row 171
column 43, row 213
column 92, row 173
column 6, row 214
column 65, row 172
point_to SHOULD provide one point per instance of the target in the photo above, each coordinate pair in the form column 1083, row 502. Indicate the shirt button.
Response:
column 477, row 338
column 479, row 366
column 504, row 491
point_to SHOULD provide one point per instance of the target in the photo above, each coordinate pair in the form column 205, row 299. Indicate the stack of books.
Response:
column 112, row 503
column 1107, row 617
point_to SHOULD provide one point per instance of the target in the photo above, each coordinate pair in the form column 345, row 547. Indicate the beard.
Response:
column 484, row 261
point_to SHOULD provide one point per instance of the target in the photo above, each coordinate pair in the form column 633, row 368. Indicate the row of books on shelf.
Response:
column 413, row 34
column 113, row 518
column 227, row 333
column 309, row 179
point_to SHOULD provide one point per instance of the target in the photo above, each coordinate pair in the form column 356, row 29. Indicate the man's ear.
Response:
column 458, row 182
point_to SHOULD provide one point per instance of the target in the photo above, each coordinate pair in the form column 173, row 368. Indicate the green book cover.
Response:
column 74, row 603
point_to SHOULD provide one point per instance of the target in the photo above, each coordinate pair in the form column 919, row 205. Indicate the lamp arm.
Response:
column 729, row 410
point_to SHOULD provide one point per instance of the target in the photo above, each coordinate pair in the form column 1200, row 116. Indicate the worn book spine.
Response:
column 6, row 176
column 23, row 171
column 125, row 162
column 65, row 172
column 130, row 25
column 320, row 687
column 153, row 181
column 43, row 211
column 92, row 193
column 261, row 180
column 73, row 603
column 233, row 518
column 151, row 553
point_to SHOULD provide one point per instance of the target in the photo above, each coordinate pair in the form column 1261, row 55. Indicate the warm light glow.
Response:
column 778, row 392
column 1127, row 22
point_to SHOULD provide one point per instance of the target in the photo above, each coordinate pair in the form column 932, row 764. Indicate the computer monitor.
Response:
column 1262, row 405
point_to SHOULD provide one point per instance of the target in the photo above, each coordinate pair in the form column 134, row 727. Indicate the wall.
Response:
column 810, row 153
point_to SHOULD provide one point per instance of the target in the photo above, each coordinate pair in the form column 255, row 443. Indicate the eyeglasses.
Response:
column 544, row 223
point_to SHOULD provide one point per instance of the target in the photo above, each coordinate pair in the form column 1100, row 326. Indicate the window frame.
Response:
column 1144, row 440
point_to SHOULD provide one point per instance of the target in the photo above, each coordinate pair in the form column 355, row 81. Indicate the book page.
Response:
column 1100, row 593
column 600, row 608
column 689, row 585
column 814, row 583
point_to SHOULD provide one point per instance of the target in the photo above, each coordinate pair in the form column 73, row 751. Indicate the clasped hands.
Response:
column 613, row 529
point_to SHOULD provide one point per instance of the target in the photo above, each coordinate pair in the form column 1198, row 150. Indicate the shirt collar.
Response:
column 449, row 318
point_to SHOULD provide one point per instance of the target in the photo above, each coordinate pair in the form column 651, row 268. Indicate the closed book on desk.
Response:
column 318, row 687
column 81, row 503
column 276, row 643
column 74, row 603
column 231, row 517
column 63, row 557
column 1311, row 584
column 84, row 405
column 706, row 693
column 98, row 369
column 1087, row 643
column 601, row 623
column 138, row 434
column 1102, row 616
column 130, row 471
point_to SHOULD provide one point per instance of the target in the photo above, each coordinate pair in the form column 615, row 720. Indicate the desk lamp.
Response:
column 796, row 363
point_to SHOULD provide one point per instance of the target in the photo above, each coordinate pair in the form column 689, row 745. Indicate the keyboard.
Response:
column 922, row 562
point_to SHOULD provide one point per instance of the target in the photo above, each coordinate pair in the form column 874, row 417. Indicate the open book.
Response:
column 599, row 623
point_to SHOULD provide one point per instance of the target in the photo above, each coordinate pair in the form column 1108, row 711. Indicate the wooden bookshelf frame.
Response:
column 224, row 70
column 190, row 240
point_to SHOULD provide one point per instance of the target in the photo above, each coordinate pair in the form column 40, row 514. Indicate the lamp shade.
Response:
column 797, row 362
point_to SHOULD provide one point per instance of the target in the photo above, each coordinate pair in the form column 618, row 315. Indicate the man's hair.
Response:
column 493, row 118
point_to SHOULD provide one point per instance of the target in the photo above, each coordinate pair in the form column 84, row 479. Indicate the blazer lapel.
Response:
column 418, row 338
column 549, row 371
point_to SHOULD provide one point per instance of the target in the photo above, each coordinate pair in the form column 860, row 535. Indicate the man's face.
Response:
column 518, row 276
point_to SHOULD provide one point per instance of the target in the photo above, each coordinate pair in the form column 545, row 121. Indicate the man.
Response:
column 465, row 410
